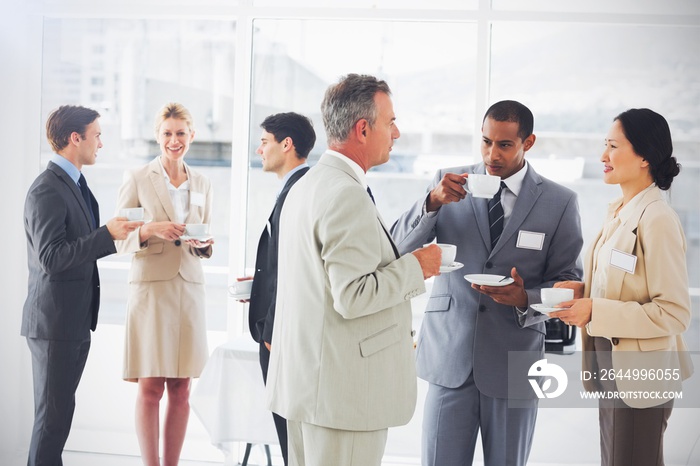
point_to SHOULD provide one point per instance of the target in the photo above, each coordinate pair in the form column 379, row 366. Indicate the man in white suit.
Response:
column 342, row 368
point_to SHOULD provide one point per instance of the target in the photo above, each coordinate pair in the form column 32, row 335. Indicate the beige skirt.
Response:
column 165, row 330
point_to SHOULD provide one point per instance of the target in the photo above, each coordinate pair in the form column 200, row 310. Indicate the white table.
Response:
column 229, row 399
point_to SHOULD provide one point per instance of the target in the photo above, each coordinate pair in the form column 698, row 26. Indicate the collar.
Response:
column 359, row 173
column 626, row 212
column 515, row 181
column 184, row 185
column 292, row 172
column 67, row 166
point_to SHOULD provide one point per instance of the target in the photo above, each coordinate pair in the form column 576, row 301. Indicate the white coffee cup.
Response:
column 132, row 214
column 242, row 287
column 485, row 186
column 197, row 229
column 553, row 296
column 449, row 252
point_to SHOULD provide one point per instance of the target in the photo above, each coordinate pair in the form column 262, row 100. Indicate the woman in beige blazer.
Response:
column 165, row 328
column 634, row 305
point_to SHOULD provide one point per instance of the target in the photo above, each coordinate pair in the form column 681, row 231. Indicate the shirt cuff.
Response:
column 425, row 208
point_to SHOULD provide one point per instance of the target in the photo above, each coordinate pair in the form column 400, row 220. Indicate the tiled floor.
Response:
column 71, row 458
column 87, row 459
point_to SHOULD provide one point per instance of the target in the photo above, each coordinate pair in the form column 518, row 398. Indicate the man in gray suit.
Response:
column 342, row 369
column 64, row 241
column 468, row 332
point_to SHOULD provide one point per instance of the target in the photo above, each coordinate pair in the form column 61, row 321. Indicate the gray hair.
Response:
column 349, row 101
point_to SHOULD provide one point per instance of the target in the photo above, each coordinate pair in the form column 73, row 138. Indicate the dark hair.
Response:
column 292, row 125
column 347, row 102
column 650, row 136
column 66, row 120
column 510, row 110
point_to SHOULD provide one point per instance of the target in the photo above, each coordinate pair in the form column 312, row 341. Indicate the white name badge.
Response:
column 623, row 261
column 197, row 199
column 530, row 240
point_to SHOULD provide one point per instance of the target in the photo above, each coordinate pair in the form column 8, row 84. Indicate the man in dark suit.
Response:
column 64, row 241
column 285, row 143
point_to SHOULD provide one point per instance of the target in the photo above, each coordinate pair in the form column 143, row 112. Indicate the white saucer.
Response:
column 488, row 280
column 198, row 238
column 238, row 296
column 451, row 268
column 546, row 310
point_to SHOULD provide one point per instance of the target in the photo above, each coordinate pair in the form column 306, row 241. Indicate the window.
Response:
column 428, row 66
column 148, row 63
column 576, row 78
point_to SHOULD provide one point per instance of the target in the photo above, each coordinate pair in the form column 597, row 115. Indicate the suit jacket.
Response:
column 343, row 350
column 644, row 313
column 158, row 259
column 464, row 331
column 62, row 249
column 261, row 314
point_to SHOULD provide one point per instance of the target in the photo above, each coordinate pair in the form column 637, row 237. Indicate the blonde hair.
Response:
column 173, row 110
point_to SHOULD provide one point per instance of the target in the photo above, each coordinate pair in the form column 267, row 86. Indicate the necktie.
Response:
column 369, row 191
column 496, row 216
column 85, row 191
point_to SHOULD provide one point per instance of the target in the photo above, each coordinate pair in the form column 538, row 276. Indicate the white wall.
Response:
column 20, row 55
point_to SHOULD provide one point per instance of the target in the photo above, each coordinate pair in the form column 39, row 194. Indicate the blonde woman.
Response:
column 165, row 328
column 634, row 305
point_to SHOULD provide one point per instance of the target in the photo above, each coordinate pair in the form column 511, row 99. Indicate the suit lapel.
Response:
column 63, row 176
column 195, row 187
column 481, row 211
column 158, row 181
column 529, row 193
column 588, row 265
column 333, row 161
column 275, row 214
column 625, row 240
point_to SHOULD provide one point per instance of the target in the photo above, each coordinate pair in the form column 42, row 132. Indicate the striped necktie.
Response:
column 496, row 216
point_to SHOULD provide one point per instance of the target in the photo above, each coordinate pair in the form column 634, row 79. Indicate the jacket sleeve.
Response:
column 128, row 197
column 59, row 246
column 362, row 280
column 563, row 260
column 414, row 227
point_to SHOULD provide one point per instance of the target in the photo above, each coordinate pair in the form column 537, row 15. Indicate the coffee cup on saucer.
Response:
column 449, row 252
column 197, row 229
column 553, row 296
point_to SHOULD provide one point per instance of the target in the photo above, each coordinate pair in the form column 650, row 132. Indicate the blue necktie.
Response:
column 496, row 216
column 85, row 191
column 369, row 191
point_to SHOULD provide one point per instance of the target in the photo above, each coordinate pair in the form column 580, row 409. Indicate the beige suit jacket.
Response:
column 158, row 259
column 644, row 313
column 342, row 355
